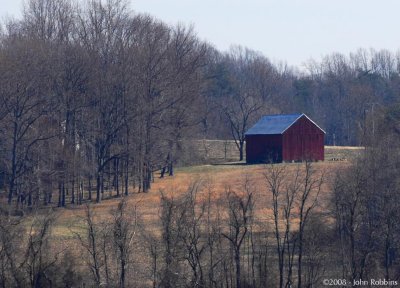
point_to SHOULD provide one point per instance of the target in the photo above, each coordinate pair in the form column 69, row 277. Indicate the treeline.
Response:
column 300, row 227
column 95, row 98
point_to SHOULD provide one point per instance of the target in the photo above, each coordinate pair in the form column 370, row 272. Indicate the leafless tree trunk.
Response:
column 275, row 177
column 240, row 215
column 91, row 244
column 191, row 219
column 124, row 230
column 310, row 188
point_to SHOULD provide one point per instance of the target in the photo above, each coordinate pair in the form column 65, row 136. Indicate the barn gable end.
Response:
column 284, row 138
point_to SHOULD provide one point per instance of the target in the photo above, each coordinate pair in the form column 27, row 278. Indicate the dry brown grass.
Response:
column 215, row 177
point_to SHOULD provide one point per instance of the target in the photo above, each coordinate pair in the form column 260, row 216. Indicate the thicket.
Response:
column 95, row 98
column 320, row 225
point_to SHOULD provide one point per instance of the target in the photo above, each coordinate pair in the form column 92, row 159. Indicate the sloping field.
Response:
column 214, row 179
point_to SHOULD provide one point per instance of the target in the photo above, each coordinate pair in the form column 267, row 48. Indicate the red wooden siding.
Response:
column 303, row 141
column 263, row 148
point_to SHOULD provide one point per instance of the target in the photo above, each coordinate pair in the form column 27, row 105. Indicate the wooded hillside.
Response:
column 96, row 97
column 96, row 101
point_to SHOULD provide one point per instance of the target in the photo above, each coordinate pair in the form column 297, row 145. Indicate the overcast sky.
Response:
column 283, row 30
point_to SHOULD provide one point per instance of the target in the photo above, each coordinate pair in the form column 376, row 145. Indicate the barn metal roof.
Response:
column 275, row 124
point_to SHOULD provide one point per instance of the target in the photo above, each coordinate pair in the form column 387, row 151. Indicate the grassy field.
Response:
column 342, row 153
column 214, row 180
column 217, row 178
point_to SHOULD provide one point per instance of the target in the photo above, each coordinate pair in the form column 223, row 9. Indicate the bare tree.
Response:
column 11, row 273
column 299, row 191
column 124, row 230
column 25, row 104
column 31, row 260
column 191, row 233
column 37, row 258
column 169, row 239
column 91, row 243
column 101, row 31
column 275, row 178
column 240, row 209
column 50, row 21
column 168, row 83
column 243, row 105
column 309, row 190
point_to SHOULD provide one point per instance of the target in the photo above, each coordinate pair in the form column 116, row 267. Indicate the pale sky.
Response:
column 283, row 30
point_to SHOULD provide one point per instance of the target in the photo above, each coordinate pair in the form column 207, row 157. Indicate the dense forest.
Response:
column 94, row 98
column 97, row 94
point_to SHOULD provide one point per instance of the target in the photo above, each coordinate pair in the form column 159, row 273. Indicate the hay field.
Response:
column 216, row 178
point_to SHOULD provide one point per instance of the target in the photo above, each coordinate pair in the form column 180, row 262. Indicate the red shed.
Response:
column 284, row 138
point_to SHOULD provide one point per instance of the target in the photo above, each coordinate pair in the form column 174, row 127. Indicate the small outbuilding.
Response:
column 284, row 138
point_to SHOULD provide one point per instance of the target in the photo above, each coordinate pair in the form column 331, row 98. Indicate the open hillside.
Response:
column 217, row 223
column 219, row 178
column 108, row 176
column 214, row 187
column 216, row 179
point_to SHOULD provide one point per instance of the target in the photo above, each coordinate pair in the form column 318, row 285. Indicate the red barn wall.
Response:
column 263, row 148
column 303, row 141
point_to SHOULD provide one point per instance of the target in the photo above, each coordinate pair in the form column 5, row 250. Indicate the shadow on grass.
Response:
column 230, row 164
